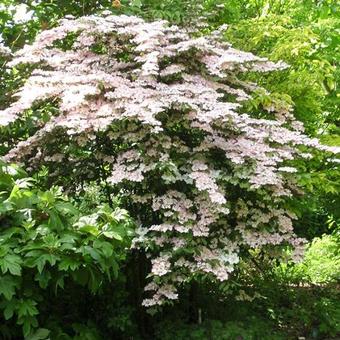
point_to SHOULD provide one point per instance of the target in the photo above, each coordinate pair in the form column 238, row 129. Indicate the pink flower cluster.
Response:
column 152, row 115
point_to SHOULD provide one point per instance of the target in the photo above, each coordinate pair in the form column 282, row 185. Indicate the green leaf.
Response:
column 51, row 241
column 90, row 229
column 28, row 322
column 83, row 221
column 4, row 248
column 66, row 208
column 41, row 261
column 105, row 248
column 94, row 281
column 120, row 214
column 15, row 193
column 66, row 246
column 48, row 197
column 7, row 286
column 6, row 180
column 54, row 221
column 92, row 252
column 40, row 334
column 115, row 268
column 68, row 238
column 68, row 263
column 10, row 308
column 136, row 3
column 88, row 224
column 59, row 283
column 12, row 264
column 43, row 278
column 68, row 241
column 6, row 206
column 27, row 308
column 110, row 233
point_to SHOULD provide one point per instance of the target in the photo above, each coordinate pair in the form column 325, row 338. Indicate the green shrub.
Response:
column 47, row 245
column 322, row 259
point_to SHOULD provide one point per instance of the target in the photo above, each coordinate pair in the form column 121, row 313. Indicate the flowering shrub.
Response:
column 156, row 115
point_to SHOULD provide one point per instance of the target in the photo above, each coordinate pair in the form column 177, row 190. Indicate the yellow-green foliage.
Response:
column 322, row 259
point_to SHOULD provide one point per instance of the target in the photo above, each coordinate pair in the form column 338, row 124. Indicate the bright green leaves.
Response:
column 103, row 232
column 46, row 243
column 87, row 224
column 112, row 224
column 310, row 50
column 11, row 263
column 108, row 232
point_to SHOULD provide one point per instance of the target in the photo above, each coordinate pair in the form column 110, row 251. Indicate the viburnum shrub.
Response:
column 155, row 115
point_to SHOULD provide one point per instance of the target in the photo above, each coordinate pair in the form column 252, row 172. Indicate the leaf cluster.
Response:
column 47, row 242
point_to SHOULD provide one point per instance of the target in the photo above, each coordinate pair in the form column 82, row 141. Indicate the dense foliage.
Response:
column 48, row 245
column 207, row 148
